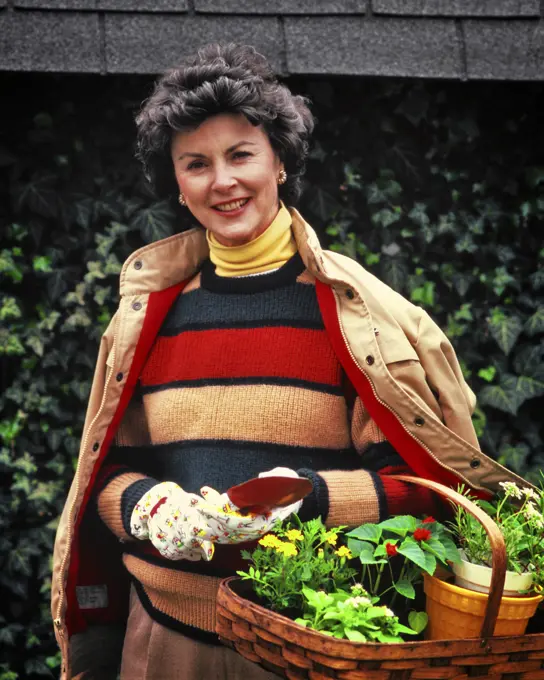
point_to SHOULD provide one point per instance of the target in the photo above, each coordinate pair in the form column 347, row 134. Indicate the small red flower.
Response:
column 391, row 549
column 428, row 520
column 422, row 534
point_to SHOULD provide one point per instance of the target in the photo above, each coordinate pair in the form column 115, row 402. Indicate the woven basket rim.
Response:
column 420, row 648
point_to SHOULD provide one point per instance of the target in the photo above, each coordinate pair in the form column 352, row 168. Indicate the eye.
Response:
column 241, row 154
column 195, row 165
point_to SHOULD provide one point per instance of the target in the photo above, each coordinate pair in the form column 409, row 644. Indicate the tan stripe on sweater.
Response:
column 265, row 413
column 352, row 498
column 189, row 598
column 109, row 502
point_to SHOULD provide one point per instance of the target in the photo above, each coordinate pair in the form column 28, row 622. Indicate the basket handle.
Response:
column 496, row 540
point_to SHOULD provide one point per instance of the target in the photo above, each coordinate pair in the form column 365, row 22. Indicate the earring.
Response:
column 182, row 200
column 282, row 177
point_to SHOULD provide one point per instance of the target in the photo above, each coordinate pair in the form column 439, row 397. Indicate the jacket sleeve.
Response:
column 120, row 485
column 367, row 494
column 444, row 376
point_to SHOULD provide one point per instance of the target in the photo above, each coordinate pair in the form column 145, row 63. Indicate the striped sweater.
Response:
column 242, row 378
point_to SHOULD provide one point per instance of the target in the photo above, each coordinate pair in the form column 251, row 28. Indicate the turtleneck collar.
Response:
column 271, row 250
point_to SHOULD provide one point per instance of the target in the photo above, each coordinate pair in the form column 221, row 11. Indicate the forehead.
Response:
column 218, row 133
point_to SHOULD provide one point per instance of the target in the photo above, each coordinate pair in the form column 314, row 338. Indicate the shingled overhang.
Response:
column 455, row 39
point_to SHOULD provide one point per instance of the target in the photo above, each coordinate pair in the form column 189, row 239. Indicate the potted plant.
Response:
column 331, row 610
column 519, row 515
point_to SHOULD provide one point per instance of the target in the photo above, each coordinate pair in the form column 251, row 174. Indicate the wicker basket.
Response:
column 291, row 651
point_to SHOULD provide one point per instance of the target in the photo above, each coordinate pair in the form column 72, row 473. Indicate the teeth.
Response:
column 232, row 206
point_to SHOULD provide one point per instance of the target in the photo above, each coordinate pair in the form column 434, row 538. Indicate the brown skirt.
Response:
column 153, row 652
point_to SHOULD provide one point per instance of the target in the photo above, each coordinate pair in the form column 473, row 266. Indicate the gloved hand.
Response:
column 169, row 518
column 225, row 524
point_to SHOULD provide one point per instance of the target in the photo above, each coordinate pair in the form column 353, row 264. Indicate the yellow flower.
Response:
column 320, row 553
column 294, row 535
column 270, row 541
column 331, row 539
column 344, row 552
column 287, row 549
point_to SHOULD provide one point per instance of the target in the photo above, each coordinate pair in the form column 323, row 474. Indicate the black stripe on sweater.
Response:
column 294, row 303
column 247, row 380
column 171, row 623
column 311, row 324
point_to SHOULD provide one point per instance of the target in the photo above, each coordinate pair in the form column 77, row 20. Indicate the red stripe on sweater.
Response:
column 296, row 353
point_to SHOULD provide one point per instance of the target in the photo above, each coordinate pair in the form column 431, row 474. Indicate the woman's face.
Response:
column 228, row 172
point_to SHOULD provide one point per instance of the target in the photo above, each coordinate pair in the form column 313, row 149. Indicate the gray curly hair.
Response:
column 227, row 78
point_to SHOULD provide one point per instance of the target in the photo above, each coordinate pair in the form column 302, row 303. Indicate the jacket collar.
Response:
column 167, row 262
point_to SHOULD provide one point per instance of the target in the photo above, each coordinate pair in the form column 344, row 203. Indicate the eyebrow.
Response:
column 201, row 155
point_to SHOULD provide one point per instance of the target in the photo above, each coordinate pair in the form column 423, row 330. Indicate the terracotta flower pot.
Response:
column 456, row 612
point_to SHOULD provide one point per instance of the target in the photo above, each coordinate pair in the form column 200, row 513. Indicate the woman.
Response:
column 239, row 347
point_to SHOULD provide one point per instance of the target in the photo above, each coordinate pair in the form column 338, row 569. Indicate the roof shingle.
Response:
column 49, row 41
column 504, row 50
column 393, row 47
column 149, row 43
column 281, row 6
column 459, row 8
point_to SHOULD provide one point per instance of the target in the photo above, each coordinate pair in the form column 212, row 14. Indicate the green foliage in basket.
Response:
column 354, row 615
column 400, row 543
column 519, row 514
column 292, row 559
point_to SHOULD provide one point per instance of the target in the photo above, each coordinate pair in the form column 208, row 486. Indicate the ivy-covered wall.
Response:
column 438, row 188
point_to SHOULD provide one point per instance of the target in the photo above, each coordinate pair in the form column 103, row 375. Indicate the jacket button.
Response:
column 136, row 306
column 350, row 294
column 475, row 463
column 96, row 446
column 119, row 377
column 369, row 360
column 138, row 264
column 419, row 421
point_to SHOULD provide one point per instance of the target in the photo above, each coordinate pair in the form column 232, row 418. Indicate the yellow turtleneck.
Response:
column 268, row 251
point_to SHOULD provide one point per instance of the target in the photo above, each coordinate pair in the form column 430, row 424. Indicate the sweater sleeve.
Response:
column 368, row 494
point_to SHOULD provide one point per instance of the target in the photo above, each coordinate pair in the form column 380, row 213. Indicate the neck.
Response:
column 268, row 251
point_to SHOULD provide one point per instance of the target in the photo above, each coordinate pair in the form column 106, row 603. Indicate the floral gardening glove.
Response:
column 169, row 518
column 225, row 524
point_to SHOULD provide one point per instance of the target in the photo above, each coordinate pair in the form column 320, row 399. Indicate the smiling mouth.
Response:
column 233, row 205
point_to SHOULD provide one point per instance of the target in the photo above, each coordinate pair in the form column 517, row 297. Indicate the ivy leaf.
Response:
column 515, row 456
column 503, row 396
column 529, row 387
column 395, row 273
column 385, row 217
column 505, row 330
column 154, row 222
column 39, row 196
column 535, row 323
column 529, row 361
column 487, row 374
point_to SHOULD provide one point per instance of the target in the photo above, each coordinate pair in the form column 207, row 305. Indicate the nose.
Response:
column 223, row 179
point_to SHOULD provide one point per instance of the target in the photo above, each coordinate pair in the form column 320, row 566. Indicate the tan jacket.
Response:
column 401, row 364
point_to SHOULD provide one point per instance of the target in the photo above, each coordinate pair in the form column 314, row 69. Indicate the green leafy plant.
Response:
column 299, row 569
column 416, row 546
column 354, row 616
column 519, row 514
column 297, row 556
